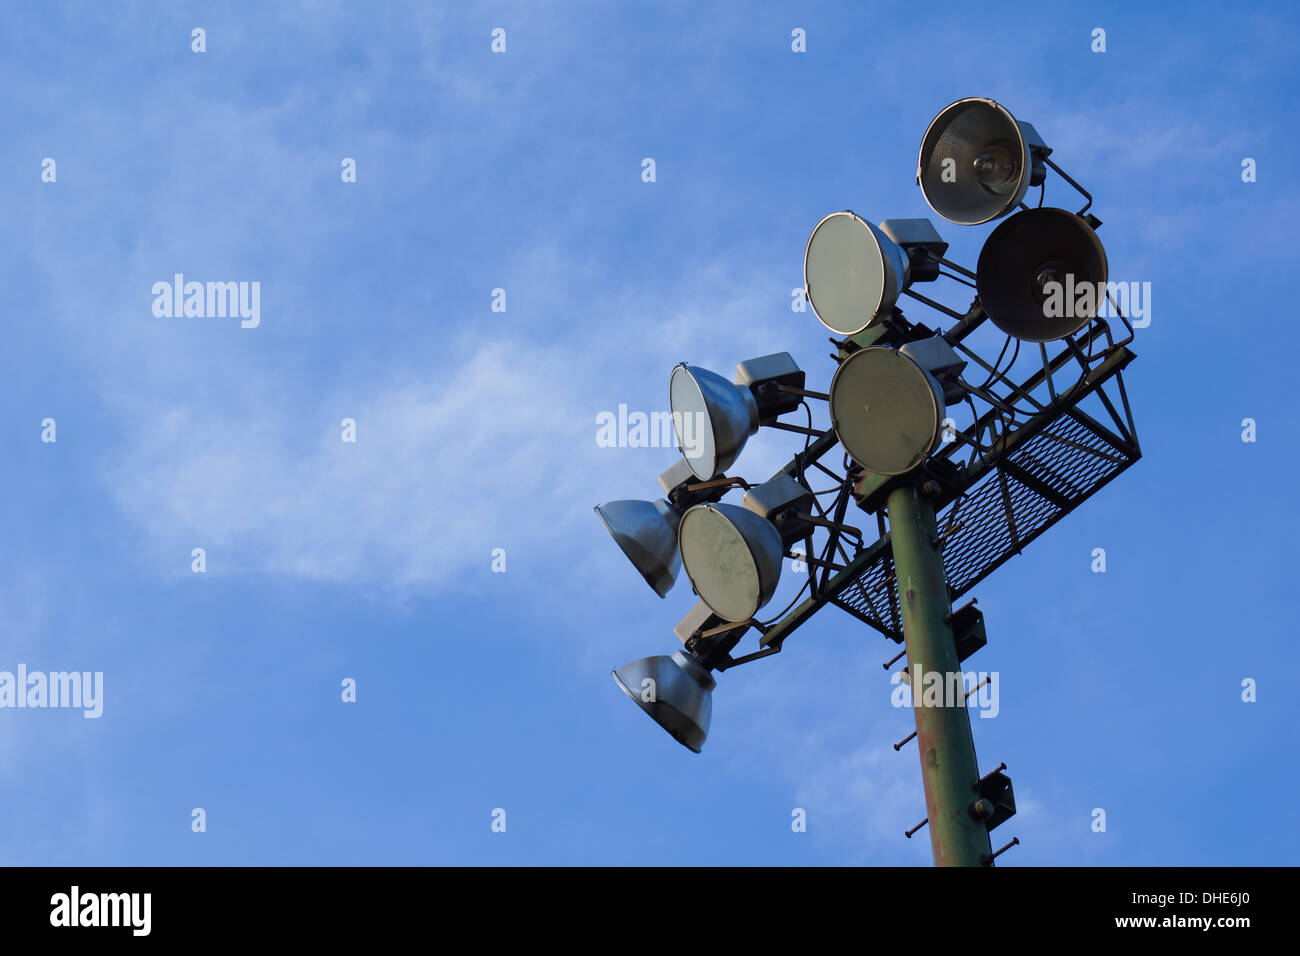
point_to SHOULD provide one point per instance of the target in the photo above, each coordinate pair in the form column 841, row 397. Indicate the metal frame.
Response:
column 1024, row 469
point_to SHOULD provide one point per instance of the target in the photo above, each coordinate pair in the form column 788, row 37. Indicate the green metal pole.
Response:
column 943, row 732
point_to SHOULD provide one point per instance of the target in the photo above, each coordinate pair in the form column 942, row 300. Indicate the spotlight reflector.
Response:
column 733, row 558
column 712, row 418
column 1021, row 260
column 887, row 411
column 977, row 161
column 853, row 272
column 647, row 533
column 676, row 690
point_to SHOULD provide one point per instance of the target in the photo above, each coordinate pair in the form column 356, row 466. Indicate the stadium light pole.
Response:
column 949, row 771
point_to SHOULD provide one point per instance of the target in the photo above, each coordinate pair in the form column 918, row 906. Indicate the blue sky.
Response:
column 476, row 429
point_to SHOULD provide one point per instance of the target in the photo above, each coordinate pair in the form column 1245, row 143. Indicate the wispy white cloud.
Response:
column 263, row 480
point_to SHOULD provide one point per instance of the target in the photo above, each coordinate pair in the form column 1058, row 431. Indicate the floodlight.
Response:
column 647, row 530
column 852, row 272
column 977, row 161
column 733, row 558
column 713, row 418
column 887, row 411
column 676, row 690
column 1022, row 259
column 647, row 533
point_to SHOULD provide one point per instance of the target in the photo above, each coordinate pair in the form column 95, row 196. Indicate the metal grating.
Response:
column 1019, row 497
column 875, row 588
column 872, row 597
column 1035, row 486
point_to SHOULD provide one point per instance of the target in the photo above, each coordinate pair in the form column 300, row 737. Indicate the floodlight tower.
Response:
column 1033, row 453
column 887, row 409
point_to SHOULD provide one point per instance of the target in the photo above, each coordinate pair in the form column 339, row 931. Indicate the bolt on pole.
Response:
column 948, row 765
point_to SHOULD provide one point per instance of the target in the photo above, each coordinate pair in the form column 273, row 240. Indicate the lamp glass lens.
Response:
column 884, row 410
column 845, row 273
column 692, row 424
column 720, row 564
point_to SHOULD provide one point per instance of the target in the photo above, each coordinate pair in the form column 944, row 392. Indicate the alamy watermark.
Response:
column 84, row 689
column 626, row 429
column 977, row 690
column 128, row 910
column 212, row 300
column 1106, row 299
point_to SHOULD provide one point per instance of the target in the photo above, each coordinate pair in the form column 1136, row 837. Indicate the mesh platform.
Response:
column 1056, row 462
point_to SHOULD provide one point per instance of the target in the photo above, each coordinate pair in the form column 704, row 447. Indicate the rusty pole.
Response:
column 948, row 766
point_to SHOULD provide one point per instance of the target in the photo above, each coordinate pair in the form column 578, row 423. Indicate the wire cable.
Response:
column 997, row 363
column 786, row 609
